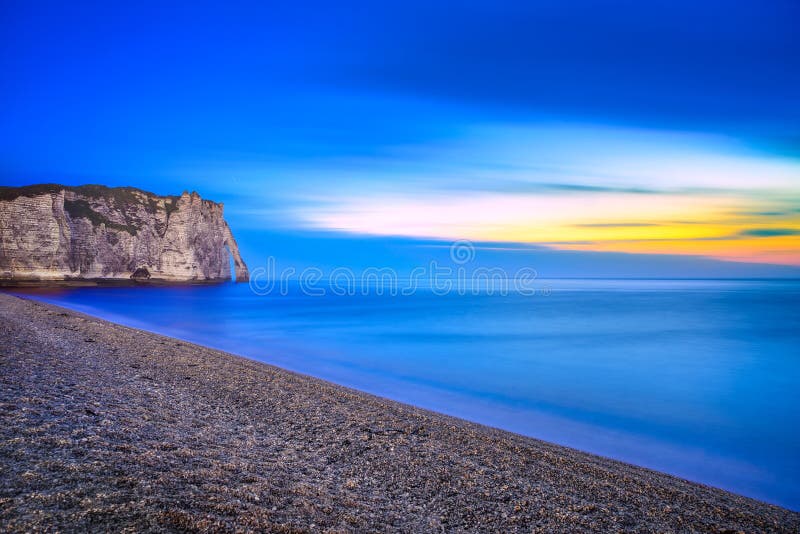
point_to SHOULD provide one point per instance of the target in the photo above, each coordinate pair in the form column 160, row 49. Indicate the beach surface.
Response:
column 107, row 427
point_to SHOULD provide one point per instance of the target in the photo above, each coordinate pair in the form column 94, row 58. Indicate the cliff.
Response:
column 55, row 232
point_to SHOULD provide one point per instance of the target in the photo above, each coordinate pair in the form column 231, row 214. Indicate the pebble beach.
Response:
column 104, row 427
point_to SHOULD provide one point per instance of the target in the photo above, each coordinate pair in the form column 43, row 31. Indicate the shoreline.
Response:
column 108, row 426
column 8, row 283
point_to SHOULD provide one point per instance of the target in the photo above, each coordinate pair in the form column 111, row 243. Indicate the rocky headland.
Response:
column 56, row 232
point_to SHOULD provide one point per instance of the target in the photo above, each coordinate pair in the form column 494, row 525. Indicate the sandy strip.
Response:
column 108, row 427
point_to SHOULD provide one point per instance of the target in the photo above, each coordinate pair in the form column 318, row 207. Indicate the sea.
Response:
column 697, row 378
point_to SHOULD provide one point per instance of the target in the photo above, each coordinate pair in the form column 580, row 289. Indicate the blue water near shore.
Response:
column 695, row 378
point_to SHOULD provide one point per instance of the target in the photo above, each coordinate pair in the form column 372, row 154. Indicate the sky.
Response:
column 587, row 138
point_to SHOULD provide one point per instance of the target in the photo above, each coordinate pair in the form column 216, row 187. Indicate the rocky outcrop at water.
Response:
column 55, row 232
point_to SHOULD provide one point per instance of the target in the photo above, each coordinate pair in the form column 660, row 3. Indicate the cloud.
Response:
column 480, row 245
column 769, row 213
column 583, row 188
column 769, row 232
column 541, row 56
column 615, row 225
column 523, row 186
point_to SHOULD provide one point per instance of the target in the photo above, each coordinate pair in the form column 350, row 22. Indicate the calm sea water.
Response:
column 695, row 378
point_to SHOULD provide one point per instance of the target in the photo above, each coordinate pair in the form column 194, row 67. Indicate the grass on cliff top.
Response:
column 120, row 195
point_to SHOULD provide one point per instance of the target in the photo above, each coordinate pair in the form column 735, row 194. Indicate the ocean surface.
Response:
column 700, row 379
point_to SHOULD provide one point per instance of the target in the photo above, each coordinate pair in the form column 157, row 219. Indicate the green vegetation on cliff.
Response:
column 121, row 196
column 81, row 209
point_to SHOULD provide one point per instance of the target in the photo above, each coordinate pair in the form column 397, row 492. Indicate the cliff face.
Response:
column 53, row 232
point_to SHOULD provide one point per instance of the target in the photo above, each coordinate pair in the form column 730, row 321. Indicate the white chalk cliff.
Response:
column 54, row 232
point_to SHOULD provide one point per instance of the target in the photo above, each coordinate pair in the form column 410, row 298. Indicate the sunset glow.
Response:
column 637, row 192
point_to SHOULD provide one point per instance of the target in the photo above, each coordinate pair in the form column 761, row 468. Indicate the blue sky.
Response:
column 583, row 130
